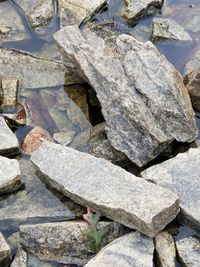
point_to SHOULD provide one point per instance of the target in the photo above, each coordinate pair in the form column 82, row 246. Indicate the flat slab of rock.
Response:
column 66, row 242
column 141, row 121
column 189, row 251
column 8, row 141
column 4, row 249
column 33, row 72
column 135, row 9
column 10, row 175
column 168, row 29
column 181, row 175
column 8, row 91
column 131, row 250
column 107, row 188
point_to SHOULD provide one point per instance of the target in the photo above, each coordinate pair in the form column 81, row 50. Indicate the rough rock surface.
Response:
column 74, row 12
column 181, row 175
column 165, row 250
column 107, row 188
column 33, row 72
column 135, row 9
column 4, row 249
column 8, row 91
column 10, row 175
column 133, row 126
column 131, row 250
column 8, row 141
column 189, row 251
column 66, row 242
column 192, row 82
column 20, row 259
column 164, row 28
column 193, row 63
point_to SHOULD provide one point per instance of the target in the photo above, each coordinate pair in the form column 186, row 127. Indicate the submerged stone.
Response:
column 141, row 120
column 97, row 183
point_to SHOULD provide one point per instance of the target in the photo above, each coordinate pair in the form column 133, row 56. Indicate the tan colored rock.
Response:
column 9, row 90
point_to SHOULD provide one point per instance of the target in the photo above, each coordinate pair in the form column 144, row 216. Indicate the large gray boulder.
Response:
column 97, row 183
column 131, row 250
column 181, row 175
column 143, row 99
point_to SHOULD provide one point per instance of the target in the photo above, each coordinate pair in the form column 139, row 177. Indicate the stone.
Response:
column 65, row 242
column 193, row 63
column 8, row 141
column 97, row 183
column 20, row 259
column 64, row 138
column 134, row 10
column 165, row 250
column 10, row 180
column 33, row 72
column 188, row 251
column 163, row 28
column 9, row 87
column 34, row 204
column 181, row 175
column 192, row 82
column 34, row 138
column 76, row 12
column 131, row 110
column 131, row 250
column 4, row 250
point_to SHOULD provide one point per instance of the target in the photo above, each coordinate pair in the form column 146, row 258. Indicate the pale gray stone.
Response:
column 64, row 138
column 8, row 141
column 10, row 175
column 34, row 72
column 47, row 240
column 131, row 250
column 135, row 9
column 181, row 175
column 189, row 251
column 20, row 259
column 163, row 28
column 193, row 63
column 130, row 107
column 97, row 183
column 4, row 249
column 165, row 250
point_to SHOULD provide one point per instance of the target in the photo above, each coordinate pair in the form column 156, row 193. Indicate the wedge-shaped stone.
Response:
column 107, row 188
column 181, row 175
column 143, row 99
column 4, row 250
column 131, row 250
column 8, row 141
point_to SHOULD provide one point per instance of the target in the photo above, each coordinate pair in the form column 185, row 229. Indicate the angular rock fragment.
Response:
column 74, row 12
column 193, row 63
column 131, row 250
column 34, row 72
column 135, row 10
column 66, row 242
column 164, row 28
column 189, row 251
column 10, row 175
column 181, row 175
column 9, row 88
column 8, row 141
column 165, row 250
column 107, row 188
column 64, row 138
column 4, row 250
column 20, row 259
column 141, row 120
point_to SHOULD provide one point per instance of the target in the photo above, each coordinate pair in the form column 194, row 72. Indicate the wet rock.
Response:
column 34, row 204
column 165, row 250
column 20, row 259
column 188, row 251
column 65, row 242
column 18, row 115
column 181, row 175
column 34, row 138
column 4, row 249
column 130, row 110
column 33, row 72
column 10, row 180
column 192, row 82
column 75, row 12
column 64, row 138
column 193, row 63
column 9, row 87
column 8, row 141
column 107, row 188
column 135, row 10
column 168, row 29
column 131, row 250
